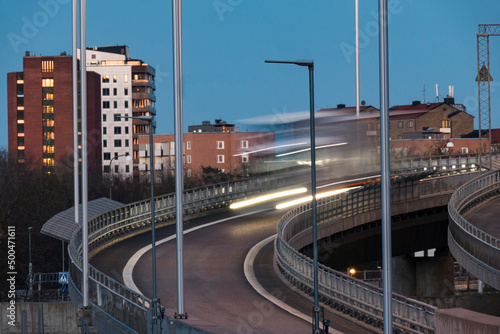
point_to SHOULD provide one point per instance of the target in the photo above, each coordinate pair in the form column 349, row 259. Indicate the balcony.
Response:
column 445, row 130
column 150, row 110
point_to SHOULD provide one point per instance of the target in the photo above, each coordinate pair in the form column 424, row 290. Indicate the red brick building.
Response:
column 230, row 152
column 40, row 114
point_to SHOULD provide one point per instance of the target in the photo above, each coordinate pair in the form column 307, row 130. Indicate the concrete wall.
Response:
column 54, row 318
column 462, row 321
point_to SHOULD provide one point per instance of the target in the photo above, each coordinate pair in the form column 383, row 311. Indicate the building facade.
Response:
column 127, row 89
column 230, row 152
column 40, row 114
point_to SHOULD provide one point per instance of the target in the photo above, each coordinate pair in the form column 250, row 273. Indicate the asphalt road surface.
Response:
column 217, row 295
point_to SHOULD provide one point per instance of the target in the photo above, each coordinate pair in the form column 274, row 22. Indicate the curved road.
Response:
column 218, row 297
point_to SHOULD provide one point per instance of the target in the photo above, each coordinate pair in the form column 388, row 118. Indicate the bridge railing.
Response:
column 474, row 249
column 124, row 307
column 338, row 289
column 127, row 309
column 444, row 163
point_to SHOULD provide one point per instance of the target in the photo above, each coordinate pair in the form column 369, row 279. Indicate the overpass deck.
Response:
column 486, row 216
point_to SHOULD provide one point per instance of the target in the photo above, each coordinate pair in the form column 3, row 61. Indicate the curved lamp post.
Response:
column 310, row 66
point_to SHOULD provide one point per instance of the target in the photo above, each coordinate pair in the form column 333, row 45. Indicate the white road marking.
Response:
column 129, row 267
column 252, row 279
column 248, row 267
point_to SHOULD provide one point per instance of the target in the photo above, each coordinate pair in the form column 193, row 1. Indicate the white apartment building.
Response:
column 127, row 89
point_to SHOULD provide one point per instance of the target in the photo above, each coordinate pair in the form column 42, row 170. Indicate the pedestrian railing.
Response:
column 441, row 164
column 126, row 309
column 474, row 249
column 129, row 311
column 339, row 290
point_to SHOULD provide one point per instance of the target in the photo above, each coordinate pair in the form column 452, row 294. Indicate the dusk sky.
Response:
column 225, row 43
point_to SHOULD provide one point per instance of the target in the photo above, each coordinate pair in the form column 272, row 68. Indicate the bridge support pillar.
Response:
column 428, row 276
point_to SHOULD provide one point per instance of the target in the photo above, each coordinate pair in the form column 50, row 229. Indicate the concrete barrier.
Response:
column 462, row 321
column 54, row 318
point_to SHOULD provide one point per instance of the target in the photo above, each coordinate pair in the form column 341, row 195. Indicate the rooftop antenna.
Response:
column 424, row 94
column 437, row 93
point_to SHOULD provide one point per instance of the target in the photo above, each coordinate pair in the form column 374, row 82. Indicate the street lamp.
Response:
column 156, row 302
column 128, row 158
column 310, row 66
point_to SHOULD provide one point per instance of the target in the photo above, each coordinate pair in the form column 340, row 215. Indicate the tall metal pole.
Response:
column 76, row 169
column 357, row 55
column 155, row 321
column 179, row 177
column 30, row 268
column 312, row 129
column 312, row 126
column 83, row 97
column 385, row 167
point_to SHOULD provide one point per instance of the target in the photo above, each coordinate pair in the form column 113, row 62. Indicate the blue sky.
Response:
column 225, row 43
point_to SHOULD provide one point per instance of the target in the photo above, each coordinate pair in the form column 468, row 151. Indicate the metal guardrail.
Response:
column 126, row 309
column 474, row 249
column 459, row 163
column 338, row 289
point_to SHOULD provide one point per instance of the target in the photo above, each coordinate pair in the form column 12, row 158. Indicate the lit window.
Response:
column 125, row 79
column 48, row 162
column 105, row 78
column 220, row 159
column 220, row 144
column 446, row 123
column 48, row 96
column 48, row 82
column 115, row 78
column 48, row 109
column 244, row 158
column 244, row 144
column 47, row 66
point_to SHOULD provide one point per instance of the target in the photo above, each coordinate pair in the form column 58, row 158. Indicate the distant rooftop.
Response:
column 117, row 49
column 219, row 126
